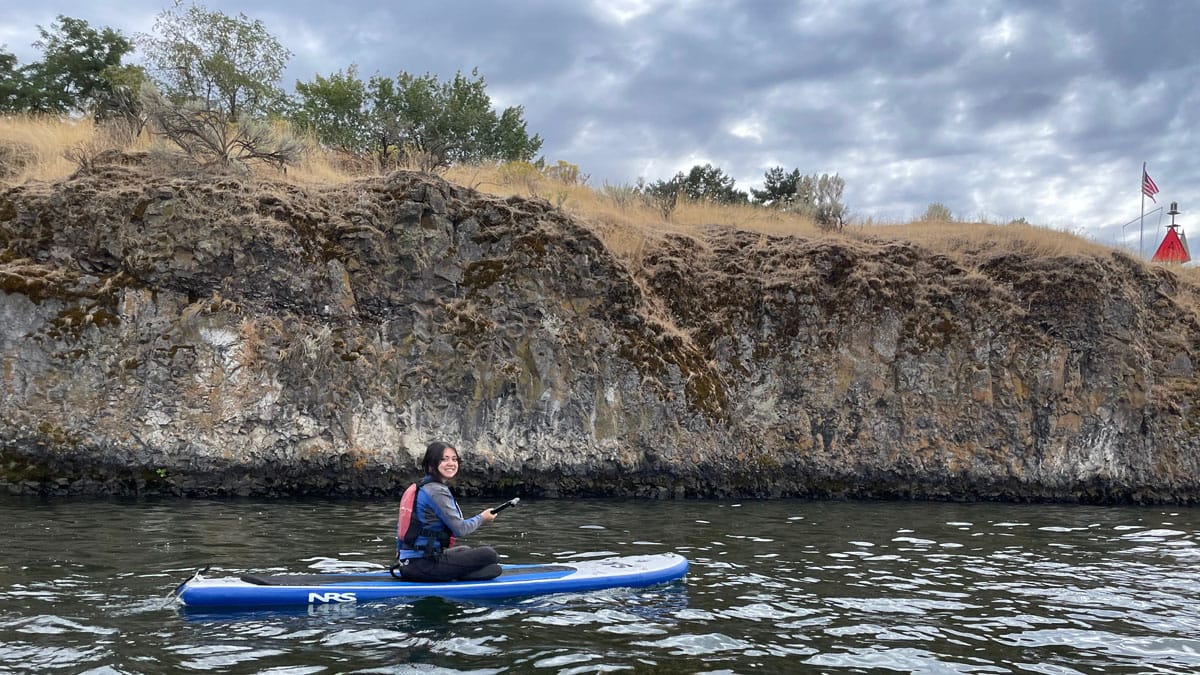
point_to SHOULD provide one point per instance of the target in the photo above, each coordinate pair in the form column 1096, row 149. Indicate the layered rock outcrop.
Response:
column 201, row 335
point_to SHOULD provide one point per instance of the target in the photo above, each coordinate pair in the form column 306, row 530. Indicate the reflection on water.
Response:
column 781, row 586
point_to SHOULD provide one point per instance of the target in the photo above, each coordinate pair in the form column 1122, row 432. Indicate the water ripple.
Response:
column 778, row 586
column 698, row 645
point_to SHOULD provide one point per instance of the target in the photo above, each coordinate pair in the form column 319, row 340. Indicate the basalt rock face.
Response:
column 210, row 335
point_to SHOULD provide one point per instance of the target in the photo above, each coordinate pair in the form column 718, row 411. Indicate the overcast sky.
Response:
column 997, row 109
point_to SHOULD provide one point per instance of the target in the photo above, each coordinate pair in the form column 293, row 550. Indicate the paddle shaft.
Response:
column 512, row 502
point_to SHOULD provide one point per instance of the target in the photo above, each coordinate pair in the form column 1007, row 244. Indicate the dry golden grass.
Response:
column 629, row 228
column 1190, row 274
column 51, row 148
column 41, row 146
column 626, row 228
column 975, row 238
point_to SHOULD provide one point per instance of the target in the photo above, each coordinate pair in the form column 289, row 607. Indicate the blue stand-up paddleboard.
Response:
column 292, row 590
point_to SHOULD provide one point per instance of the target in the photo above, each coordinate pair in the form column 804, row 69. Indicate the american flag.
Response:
column 1148, row 187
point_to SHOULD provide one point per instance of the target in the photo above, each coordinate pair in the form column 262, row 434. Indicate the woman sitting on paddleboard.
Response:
column 430, row 520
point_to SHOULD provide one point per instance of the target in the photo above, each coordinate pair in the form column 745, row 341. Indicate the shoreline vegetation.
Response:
column 48, row 148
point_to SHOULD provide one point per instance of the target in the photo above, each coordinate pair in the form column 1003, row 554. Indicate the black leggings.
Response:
column 461, row 563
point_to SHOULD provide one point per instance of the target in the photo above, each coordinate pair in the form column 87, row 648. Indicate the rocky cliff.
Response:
column 222, row 335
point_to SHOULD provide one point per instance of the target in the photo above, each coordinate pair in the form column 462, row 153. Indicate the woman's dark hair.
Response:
column 433, row 457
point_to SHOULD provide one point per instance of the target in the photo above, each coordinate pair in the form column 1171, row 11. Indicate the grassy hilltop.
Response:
column 50, row 149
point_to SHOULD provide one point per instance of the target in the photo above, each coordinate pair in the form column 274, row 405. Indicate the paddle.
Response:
column 512, row 502
column 175, row 593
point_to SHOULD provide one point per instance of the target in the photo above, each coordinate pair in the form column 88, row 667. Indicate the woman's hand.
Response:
column 487, row 515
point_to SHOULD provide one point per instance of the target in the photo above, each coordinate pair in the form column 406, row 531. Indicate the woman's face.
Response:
column 447, row 468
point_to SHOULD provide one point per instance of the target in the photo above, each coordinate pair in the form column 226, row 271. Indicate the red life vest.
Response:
column 404, row 523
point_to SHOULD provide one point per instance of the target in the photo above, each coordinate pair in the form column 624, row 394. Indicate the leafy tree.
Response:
column 702, row 183
column 411, row 114
column 73, row 75
column 121, row 104
column 779, row 187
column 937, row 212
column 509, row 136
column 428, row 123
column 12, row 82
column 446, row 123
column 230, row 64
column 385, row 128
column 817, row 196
column 710, row 184
column 334, row 109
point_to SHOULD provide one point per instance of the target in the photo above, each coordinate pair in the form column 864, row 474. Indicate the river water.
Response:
column 774, row 587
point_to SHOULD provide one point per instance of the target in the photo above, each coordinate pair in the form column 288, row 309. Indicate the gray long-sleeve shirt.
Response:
column 439, row 505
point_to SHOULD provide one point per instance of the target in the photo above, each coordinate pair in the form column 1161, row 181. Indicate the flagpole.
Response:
column 1142, row 227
